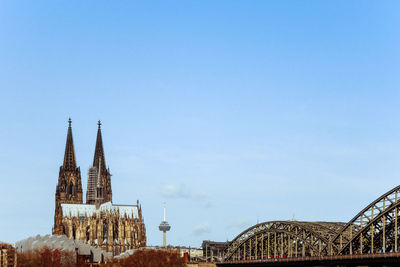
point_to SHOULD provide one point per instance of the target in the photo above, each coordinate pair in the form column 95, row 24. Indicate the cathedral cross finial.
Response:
column 99, row 123
column 69, row 122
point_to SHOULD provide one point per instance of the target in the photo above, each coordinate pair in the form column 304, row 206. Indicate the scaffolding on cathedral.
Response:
column 91, row 186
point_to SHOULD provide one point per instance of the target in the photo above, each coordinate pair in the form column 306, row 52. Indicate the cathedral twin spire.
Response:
column 69, row 187
column 69, row 157
column 99, row 159
column 67, row 183
column 103, row 185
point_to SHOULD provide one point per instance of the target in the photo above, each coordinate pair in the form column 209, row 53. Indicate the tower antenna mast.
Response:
column 164, row 226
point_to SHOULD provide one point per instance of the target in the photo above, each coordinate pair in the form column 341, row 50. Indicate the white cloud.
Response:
column 202, row 228
column 182, row 191
column 201, row 196
column 240, row 224
column 208, row 205
column 175, row 191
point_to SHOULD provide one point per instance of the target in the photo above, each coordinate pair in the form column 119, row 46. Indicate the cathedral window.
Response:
column 104, row 230
column 71, row 189
column 73, row 232
column 63, row 187
column 87, row 234
column 100, row 192
column 115, row 234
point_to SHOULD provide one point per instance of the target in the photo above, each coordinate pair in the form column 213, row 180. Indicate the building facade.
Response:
column 214, row 251
column 98, row 222
column 8, row 255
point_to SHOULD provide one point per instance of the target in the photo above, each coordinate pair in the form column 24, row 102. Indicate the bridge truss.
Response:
column 373, row 230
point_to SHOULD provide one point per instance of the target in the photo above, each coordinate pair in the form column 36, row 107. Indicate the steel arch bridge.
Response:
column 375, row 229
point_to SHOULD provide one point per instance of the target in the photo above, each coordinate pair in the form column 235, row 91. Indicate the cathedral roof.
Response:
column 87, row 210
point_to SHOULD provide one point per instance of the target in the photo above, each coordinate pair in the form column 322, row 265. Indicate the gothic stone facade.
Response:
column 99, row 222
column 8, row 255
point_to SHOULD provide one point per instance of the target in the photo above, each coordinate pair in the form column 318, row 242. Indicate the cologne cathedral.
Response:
column 98, row 222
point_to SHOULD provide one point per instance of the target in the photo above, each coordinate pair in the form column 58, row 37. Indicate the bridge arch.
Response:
column 374, row 229
column 283, row 239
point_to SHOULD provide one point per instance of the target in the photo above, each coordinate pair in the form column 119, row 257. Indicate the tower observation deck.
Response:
column 164, row 227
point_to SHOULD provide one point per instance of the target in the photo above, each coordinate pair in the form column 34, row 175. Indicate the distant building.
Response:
column 193, row 253
column 99, row 222
column 61, row 242
column 8, row 255
column 213, row 251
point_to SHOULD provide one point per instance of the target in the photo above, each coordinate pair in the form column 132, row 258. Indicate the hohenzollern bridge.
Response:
column 371, row 238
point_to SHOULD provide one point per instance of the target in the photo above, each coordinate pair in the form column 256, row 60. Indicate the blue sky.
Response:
column 232, row 112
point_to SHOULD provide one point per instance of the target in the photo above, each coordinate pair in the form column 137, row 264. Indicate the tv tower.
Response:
column 164, row 227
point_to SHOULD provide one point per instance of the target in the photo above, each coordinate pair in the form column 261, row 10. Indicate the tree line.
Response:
column 47, row 257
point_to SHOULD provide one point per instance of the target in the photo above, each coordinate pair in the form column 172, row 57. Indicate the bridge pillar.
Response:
column 395, row 227
column 268, row 246
column 250, row 249
column 384, row 229
column 319, row 247
column 361, row 238
column 372, row 231
column 244, row 250
column 351, row 237
column 372, row 238
column 295, row 247
column 255, row 248
column 262, row 246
